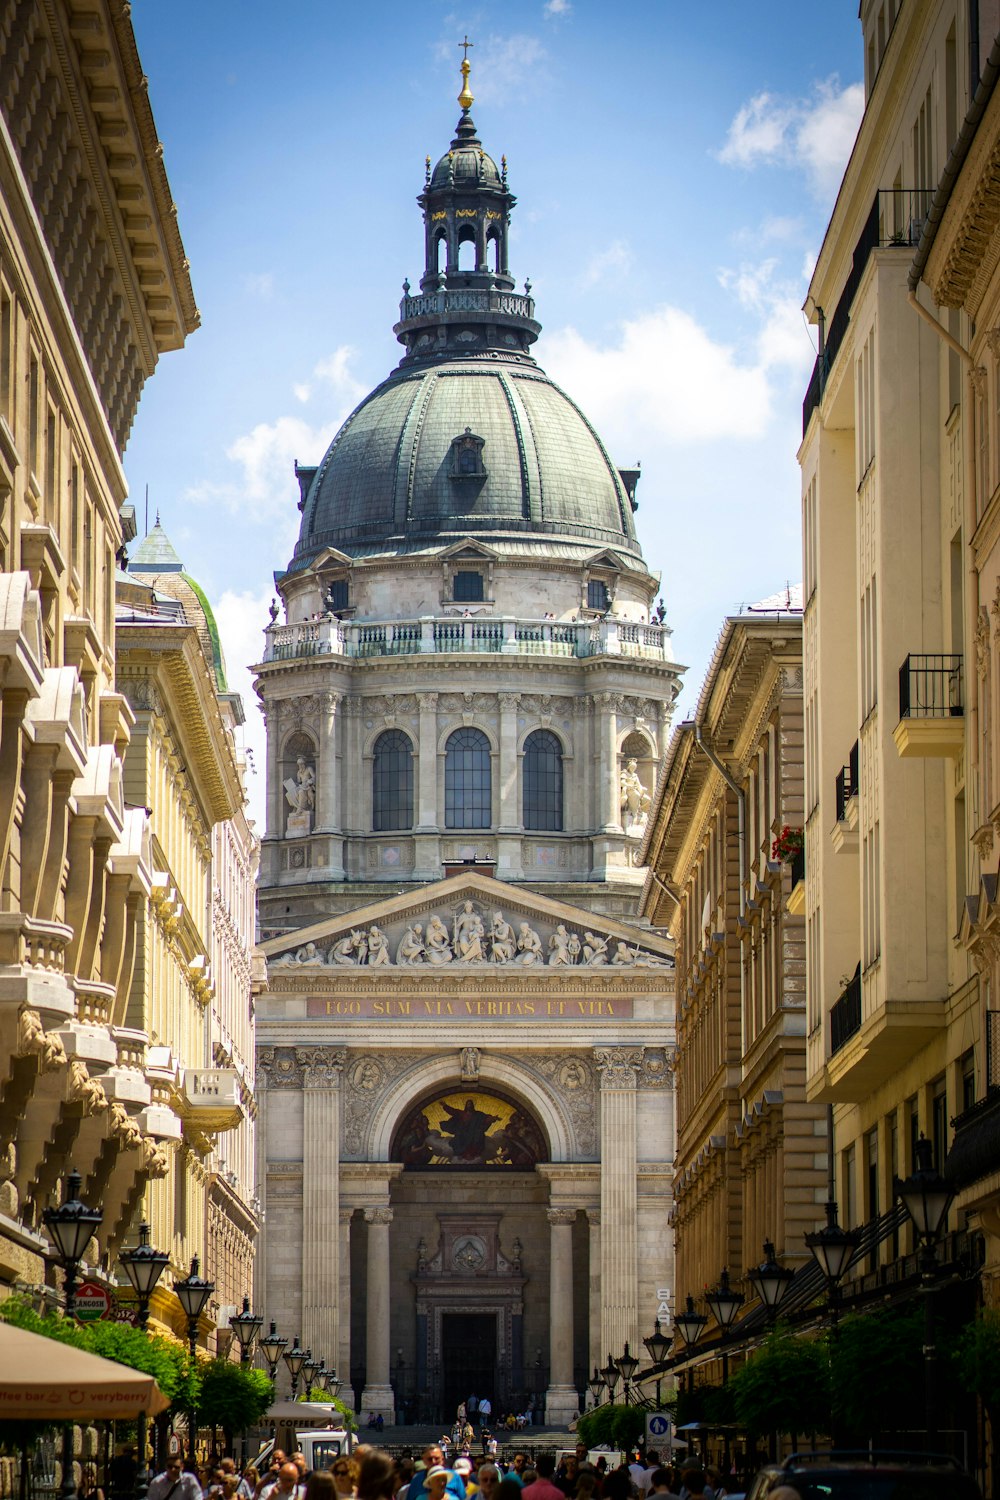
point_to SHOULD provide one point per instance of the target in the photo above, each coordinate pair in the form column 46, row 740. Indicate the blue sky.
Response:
column 675, row 167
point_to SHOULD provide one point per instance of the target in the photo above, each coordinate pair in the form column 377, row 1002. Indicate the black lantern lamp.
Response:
column 723, row 1303
column 192, row 1294
column 295, row 1358
column 658, row 1345
column 144, row 1266
column 627, row 1364
column 596, row 1386
column 246, row 1326
column 927, row 1197
column 611, row 1376
column 272, row 1345
column 72, row 1226
column 770, row 1281
column 311, row 1367
column 833, row 1249
column 690, row 1322
column 332, row 1383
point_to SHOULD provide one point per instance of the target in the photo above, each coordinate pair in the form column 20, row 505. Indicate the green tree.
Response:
column 877, row 1371
column 783, row 1387
column 977, row 1364
column 613, row 1426
column 232, row 1397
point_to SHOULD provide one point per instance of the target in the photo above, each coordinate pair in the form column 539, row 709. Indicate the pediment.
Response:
column 470, row 921
column 468, row 547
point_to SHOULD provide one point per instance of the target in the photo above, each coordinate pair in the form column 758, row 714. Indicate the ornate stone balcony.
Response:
column 209, row 1099
column 487, row 634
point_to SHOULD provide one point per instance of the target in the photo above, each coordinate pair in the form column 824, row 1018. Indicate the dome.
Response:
column 466, row 166
column 156, row 565
column 493, row 450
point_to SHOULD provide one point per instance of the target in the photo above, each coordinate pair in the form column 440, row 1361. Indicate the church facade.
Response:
column 465, row 1049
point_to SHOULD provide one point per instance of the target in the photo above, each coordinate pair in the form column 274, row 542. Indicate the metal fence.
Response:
column 930, row 687
column 845, row 1016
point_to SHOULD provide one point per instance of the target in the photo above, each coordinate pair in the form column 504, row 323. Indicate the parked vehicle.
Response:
column 835, row 1475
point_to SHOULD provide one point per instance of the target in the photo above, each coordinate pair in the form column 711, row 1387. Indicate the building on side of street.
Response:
column 751, row 1150
column 955, row 275
column 466, row 1048
column 894, row 822
column 94, row 286
column 191, row 992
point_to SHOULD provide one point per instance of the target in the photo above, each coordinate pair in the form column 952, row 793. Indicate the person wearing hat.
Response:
column 463, row 1468
column 436, row 1481
column 434, row 1459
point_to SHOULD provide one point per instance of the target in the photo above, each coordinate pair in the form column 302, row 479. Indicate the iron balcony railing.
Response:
column 798, row 864
column 845, row 1016
column 847, row 783
column 896, row 217
column 992, row 1050
column 930, row 687
column 481, row 633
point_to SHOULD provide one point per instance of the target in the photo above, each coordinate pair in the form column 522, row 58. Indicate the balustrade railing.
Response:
column 483, row 633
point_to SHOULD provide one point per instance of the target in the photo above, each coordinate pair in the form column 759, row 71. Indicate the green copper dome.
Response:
column 467, row 437
column 393, row 479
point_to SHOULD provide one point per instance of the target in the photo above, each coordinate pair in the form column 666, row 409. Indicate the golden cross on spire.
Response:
column 465, row 97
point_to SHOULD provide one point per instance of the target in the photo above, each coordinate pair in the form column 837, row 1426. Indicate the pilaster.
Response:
column 618, row 1067
column 322, row 1067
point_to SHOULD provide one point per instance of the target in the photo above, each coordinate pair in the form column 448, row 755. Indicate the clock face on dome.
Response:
column 469, row 1130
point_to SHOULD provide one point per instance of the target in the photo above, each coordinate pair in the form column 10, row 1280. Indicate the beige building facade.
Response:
column 191, row 992
column 894, row 814
column 751, row 1163
column 465, row 1050
column 94, row 287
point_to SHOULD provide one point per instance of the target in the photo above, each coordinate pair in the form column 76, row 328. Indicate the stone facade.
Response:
column 93, row 287
column 751, row 1162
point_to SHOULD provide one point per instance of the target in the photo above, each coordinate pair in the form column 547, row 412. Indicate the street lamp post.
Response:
column 627, row 1366
column 596, row 1386
column 143, row 1266
column 192, row 1293
column 611, row 1375
column 833, row 1249
column 295, row 1358
column 658, row 1346
column 311, row 1366
column 724, row 1305
column 690, row 1324
column 770, row 1281
column 927, row 1197
column 246, row 1326
column 72, row 1226
column 272, row 1345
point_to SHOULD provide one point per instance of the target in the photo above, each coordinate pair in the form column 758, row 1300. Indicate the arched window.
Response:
column 392, row 782
column 543, row 781
column 467, row 791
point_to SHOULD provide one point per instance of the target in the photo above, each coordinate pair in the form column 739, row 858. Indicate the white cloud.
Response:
column 814, row 134
column 241, row 618
column 782, row 340
column 616, row 258
column 666, row 378
column 259, row 284
column 264, row 457
column 558, row 7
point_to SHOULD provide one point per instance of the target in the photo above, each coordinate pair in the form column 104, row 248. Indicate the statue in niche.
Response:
column 438, row 943
column 469, row 935
column 411, row 948
column 300, row 793
column 529, row 946
column 635, row 800
column 503, row 943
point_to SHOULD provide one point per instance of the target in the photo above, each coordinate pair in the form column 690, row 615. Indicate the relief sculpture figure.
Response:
column 438, row 943
column 411, row 948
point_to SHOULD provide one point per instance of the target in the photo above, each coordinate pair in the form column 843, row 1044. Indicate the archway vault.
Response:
column 507, row 1074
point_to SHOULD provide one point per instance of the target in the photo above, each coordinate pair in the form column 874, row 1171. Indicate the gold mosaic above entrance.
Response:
column 469, row 1129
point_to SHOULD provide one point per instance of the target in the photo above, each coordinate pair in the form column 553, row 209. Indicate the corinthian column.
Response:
column 561, row 1402
column 342, row 1355
column 321, row 1197
column 619, row 1242
column 595, row 1354
column 377, row 1395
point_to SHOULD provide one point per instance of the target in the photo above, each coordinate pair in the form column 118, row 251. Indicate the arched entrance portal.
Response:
column 469, row 1156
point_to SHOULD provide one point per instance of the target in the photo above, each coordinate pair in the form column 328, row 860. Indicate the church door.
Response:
column 469, row 1348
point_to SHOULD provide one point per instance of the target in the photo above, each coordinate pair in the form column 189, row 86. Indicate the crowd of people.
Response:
column 371, row 1474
